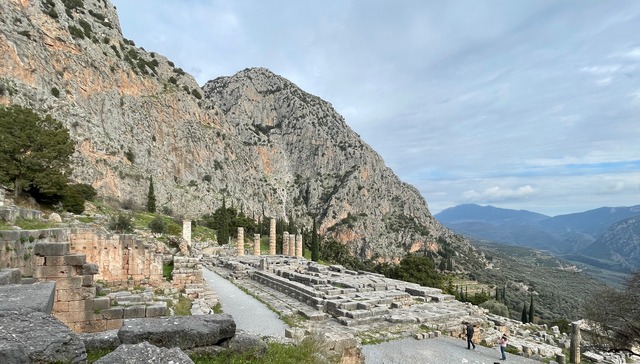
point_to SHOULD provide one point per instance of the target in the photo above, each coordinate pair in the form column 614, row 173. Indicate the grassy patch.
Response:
column 183, row 307
column 94, row 355
column 167, row 270
column 217, row 309
column 27, row 224
column 304, row 352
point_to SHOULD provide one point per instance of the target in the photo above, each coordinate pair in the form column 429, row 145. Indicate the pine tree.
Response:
column 531, row 309
column 35, row 151
column 151, row 197
column 525, row 318
column 315, row 245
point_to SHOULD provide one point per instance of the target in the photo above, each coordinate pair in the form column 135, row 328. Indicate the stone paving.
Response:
column 366, row 305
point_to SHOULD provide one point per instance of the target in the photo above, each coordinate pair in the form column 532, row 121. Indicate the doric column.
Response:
column 285, row 243
column 240, row 241
column 574, row 349
column 272, row 237
column 299, row 245
column 292, row 245
column 186, row 231
column 256, row 244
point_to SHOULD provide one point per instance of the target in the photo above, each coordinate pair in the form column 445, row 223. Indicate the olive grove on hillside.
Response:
column 616, row 315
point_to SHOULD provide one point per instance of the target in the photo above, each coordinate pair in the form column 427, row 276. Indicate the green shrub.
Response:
column 196, row 94
column 76, row 32
column 121, row 223
column 86, row 27
column 130, row 156
column 167, row 270
column 496, row 308
column 158, row 225
column 55, row 92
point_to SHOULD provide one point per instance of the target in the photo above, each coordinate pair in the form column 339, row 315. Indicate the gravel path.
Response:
column 441, row 350
column 249, row 314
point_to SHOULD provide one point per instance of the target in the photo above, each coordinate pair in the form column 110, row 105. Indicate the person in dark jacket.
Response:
column 470, row 332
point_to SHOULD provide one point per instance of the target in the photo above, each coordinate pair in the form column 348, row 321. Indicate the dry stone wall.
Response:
column 123, row 261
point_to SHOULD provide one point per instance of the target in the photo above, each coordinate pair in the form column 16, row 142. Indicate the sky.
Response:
column 528, row 105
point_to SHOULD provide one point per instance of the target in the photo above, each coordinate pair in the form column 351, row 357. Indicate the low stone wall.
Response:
column 16, row 247
column 122, row 260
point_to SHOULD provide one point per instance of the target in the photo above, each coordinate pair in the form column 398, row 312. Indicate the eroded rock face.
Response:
column 184, row 332
column 254, row 138
column 28, row 336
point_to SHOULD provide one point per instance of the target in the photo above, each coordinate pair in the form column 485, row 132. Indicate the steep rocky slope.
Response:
column 254, row 139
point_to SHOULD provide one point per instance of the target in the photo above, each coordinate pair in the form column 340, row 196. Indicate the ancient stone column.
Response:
column 256, row 244
column 1, row 196
column 285, row 243
column 574, row 349
column 240, row 241
column 292, row 245
column 186, row 231
column 299, row 245
column 272, row 237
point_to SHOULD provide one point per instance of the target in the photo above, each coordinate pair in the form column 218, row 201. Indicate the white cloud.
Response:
column 497, row 193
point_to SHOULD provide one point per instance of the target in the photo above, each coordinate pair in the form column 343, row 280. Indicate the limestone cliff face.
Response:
column 255, row 138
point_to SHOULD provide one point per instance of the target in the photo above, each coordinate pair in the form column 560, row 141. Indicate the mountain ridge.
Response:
column 605, row 237
column 254, row 139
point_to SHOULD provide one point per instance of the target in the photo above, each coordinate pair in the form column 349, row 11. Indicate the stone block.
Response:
column 76, row 294
column 101, row 303
column 134, row 311
column 112, row 313
column 83, row 305
column 87, row 280
column 60, row 306
column 38, row 296
column 157, row 309
column 46, row 249
column 90, row 268
column 72, row 259
column 140, row 353
column 10, row 276
column 105, row 340
column 184, row 332
column 67, row 283
column 54, row 271
column 39, row 336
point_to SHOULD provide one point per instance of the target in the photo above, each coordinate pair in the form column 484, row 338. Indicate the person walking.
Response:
column 503, row 346
column 470, row 332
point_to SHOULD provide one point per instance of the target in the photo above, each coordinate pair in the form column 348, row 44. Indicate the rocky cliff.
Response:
column 254, row 139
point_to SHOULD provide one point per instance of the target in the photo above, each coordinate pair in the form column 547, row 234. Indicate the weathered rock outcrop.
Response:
column 255, row 138
column 28, row 336
column 185, row 332
column 144, row 353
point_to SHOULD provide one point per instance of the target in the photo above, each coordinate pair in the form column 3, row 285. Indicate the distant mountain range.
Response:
column 607, row 237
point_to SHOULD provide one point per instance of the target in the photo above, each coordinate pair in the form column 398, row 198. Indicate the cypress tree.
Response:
column 525, row 318
column 531, row 309
column 315, row 245
column 151, row 197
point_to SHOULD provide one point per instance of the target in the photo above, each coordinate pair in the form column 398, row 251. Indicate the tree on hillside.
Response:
column 151, row 197
column 315, row 245
column 616, row 316
column 525, row 317
column 35, row 151
column 531, row 309
column 418, row 269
